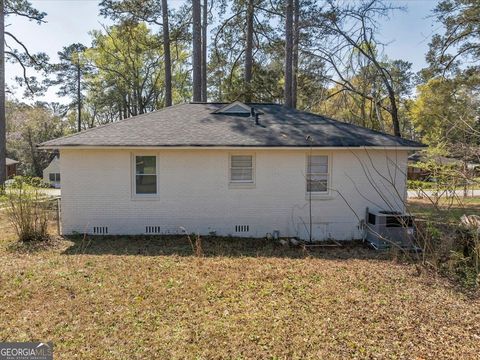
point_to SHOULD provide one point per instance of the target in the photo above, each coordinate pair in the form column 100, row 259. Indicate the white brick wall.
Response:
column 195, row 192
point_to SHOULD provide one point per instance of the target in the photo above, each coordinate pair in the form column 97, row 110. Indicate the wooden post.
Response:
column 58, row 217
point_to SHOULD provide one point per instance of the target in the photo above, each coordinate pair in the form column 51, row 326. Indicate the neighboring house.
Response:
column 416, row 172
column 51, row 174
column 229, row 169
column 11, row 168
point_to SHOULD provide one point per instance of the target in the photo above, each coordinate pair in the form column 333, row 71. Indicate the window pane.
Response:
column 241, row 161
column 241, row 168
column 317, row 164
column 51, row 177
column 317, row 183
column 239, row 174
column 146, row 165
column 146, row 184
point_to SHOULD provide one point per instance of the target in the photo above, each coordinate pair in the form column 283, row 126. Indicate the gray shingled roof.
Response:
column 196, row 125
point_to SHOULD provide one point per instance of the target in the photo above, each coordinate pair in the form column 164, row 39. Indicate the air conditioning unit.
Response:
column 387, row 229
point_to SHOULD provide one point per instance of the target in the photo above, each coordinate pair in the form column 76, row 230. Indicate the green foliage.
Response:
column 27, row 209
column 143, row 10
column 464, row 259
column 129, row 72
column 459, row 43
column 445, row 112
column 72, row 68
column 451, row 249
column 28, row 126
column 25, row 9
column 16, row 52
column 418, row 184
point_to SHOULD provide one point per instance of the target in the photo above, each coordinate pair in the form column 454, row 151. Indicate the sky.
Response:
column 69, row 21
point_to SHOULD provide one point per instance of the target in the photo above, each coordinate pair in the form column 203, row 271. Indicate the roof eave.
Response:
column 226, row 147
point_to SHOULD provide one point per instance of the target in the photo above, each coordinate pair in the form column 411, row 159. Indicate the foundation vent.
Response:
column 152, row 230
column 100, row 230
column 242, row 228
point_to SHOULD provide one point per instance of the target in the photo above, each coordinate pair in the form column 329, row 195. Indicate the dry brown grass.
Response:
column 151, row 299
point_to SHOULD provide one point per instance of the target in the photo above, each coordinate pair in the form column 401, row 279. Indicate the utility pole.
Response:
column 3, row 136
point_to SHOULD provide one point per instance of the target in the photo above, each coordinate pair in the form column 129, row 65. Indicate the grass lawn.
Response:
column 150, row 299
column 448, row 209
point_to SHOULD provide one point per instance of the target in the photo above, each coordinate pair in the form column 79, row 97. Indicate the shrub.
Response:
column 418, row 184
column 27, row 208
column 453, row 249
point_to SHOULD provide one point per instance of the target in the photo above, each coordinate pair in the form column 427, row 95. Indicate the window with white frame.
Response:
column 241, row 169
column 145, row 175
column 317, row 173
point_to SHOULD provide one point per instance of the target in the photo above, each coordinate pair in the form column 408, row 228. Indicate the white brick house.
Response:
column 229, row 169
column 51, row 174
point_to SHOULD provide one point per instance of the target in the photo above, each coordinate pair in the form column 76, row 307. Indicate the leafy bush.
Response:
column 27, row 208
column 453, row 250
column 468, row 254
column 418, row 184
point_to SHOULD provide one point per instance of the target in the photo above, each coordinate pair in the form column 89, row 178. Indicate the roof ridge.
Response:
column 231, row 102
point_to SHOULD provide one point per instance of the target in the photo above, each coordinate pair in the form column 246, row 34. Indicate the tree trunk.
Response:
column 204, row 50
column 140, row 104
column 394, row 112
column 288, row 52
column 249, row 53
column 37, row 169
column 296, row 40
column 79, row 97
column 378, row 113
column 3, row 138
column 166, row 55
column 120, row 117
column 197, row 51
column 220, row 94
column 363, row 111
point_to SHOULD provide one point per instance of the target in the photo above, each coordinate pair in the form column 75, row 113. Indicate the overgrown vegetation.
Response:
column 26, row 208
column 449, row 243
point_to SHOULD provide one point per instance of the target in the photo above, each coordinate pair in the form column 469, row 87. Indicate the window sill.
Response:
column 146, row 197
column 326, row 196
column 239, row 185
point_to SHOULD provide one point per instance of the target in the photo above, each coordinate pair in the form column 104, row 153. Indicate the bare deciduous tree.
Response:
column 347, row 37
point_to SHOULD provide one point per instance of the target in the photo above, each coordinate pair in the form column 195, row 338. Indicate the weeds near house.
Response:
column 27, row 209
column 447, row 246
column 451, row 246
column 196, row 245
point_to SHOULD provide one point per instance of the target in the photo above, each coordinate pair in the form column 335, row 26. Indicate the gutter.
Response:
column 223, row 147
